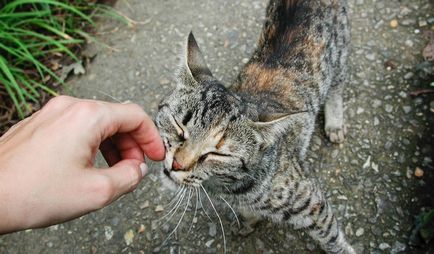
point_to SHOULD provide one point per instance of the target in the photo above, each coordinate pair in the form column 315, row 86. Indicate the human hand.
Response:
column 47, row 172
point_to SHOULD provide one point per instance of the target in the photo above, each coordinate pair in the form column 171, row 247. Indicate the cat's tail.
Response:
column 278, row 19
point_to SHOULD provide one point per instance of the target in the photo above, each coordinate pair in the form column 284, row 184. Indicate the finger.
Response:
column 127, row 147
column 130, row 118
column 110, row 152
column 120, row 179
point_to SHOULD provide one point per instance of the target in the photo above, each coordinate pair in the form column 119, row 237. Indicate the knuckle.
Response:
column 86, row 109
column 58, row 102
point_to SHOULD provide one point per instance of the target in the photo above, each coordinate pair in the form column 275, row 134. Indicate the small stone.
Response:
column 408, row 75
column 370, row 56
column 418, row 172
column 388, row 108
column 164, row 81
column 144, row 205
column 409, row 43
column 195, row 220
column 367, row 162
column 212, row 229
column 376, row 121
column 159, row 208
column 245, row 60
column 310, row 246
column 374, row 167
column 422, row 23
column 128, row 237
column 108, row 232
column 398, row 247
column 393, row 23
column 141, row 229
column 384, row 246
column 360, row 110
column 407, row 109
column 360, row 232
column 209, row 243
column 50, row 244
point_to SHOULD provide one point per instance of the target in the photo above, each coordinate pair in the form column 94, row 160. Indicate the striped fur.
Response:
column 247, row 143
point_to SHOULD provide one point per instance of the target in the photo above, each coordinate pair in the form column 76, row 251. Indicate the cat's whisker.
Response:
column 218, row 216
column 233, row 211
column 174, row 209
column 180, row 219
column 203, row 207
column 195, row 210
column 178, row 192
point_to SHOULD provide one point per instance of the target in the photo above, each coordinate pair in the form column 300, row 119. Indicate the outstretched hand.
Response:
column 47, row 172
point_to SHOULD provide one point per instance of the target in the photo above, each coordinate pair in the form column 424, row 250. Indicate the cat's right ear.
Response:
column 193, row 67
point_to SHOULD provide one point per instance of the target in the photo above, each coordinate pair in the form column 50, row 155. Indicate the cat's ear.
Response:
column 272, row 127
column 193, row 65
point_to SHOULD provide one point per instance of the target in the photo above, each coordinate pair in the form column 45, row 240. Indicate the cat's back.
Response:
column 300, row 46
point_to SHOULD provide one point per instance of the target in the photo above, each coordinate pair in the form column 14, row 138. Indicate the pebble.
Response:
column 245, row 60
column 209, row 243
column 360, row 232
column 141, row 229
column 370, row 56
column 393, row 23
column 422, row 23
column 407, row 109
column 388, row 108
column 384, row 246
column 418, row 172
column 409, row 43
column 144, row 205
column 164, row 81
column 212, row 229
column 159, row 208
column 376, row 121
column 128, row 237
column 360, row 110
column 398, row 247
column 108, row 232
column 374, row 167
column 408, row 75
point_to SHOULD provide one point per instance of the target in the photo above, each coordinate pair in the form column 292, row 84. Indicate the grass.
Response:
column 35, row 35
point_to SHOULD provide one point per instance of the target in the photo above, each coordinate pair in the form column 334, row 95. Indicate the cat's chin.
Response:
column 169, row 183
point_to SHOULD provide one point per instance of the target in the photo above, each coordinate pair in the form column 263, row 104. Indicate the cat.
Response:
column 247, row 143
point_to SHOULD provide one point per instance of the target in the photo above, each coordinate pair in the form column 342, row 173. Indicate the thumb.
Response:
column 124, row 176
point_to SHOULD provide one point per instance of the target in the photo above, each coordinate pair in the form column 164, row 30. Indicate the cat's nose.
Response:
column 176, row 165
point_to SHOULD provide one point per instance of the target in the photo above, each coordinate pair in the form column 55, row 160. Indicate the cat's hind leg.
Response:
column 335, row 128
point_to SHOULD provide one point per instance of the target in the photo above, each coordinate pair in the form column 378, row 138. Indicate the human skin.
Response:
column 47, row 171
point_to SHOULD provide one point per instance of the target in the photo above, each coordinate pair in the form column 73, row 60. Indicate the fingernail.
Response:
column 143, row 169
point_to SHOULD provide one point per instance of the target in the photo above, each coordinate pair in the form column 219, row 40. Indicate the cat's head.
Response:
column 206, row 135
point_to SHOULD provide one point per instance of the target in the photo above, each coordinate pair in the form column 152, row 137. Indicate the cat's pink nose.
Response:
column 176, row 165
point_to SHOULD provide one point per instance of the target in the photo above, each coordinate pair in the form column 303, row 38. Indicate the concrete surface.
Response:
column 369, row 179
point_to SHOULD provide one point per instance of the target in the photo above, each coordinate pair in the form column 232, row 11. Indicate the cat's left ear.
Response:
column 272, row 127
column 193, row 65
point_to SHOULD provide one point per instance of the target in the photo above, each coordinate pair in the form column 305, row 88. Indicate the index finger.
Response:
column 130, row 118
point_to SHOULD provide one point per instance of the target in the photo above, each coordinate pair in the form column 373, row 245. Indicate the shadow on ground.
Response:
column 369, row 179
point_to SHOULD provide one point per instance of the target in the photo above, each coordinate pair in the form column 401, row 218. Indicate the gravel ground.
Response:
column 370, row 179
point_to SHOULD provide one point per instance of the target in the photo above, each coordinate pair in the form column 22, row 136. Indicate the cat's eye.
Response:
column 204, row 156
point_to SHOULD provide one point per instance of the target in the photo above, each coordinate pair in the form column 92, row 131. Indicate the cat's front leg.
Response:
column 303, row 205
column 335, row 128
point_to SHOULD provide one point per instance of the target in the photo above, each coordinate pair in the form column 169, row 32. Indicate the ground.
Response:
column 370, row 179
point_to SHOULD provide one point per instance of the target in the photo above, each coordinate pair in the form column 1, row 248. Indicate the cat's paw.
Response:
column 336, row 134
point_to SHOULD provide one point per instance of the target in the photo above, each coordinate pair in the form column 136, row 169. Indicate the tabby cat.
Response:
column 247, row 143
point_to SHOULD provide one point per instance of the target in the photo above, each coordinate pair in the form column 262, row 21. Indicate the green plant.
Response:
column 32, row 34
